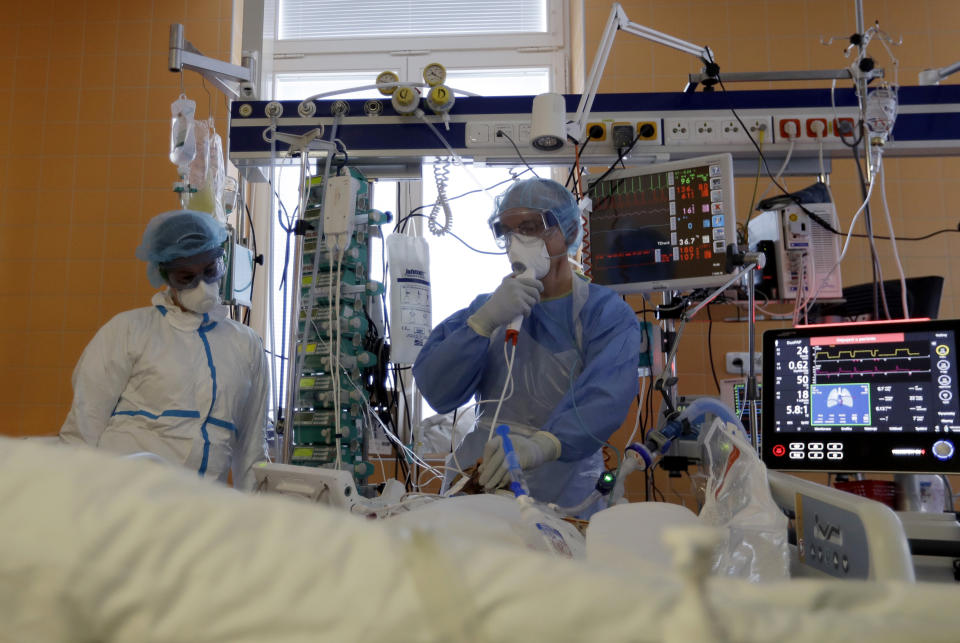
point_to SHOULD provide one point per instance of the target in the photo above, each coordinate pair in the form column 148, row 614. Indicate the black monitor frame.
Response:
column 871, row 422
column 662, row 226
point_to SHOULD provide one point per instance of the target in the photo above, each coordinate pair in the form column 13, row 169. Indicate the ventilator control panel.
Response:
column 855, row 397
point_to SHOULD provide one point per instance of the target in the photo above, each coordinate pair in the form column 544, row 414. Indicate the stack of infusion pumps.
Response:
column 331, row 392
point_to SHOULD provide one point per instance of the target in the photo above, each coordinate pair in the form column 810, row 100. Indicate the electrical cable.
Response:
column 573, row 167
column 613, row 166
column 636, row 424
column 713, row 368
column 507, row 384
column 390, row 434
column 783, row 166
column 336, row 339
column 456, row 157
column 402, row 221
column 846, row 243
column 746, row 131
column 800, row 302
column 296, row 366
column 276, row 385
column 893, row 241
column 500, row 132
column 876, row 273
column 253, row 234
column 753, row 198
column 441, row 172
column 813, row 216
column 841, row 129
column 483, row 252
column 878, row 291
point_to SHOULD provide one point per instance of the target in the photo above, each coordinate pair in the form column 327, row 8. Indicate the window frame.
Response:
column 556, row 37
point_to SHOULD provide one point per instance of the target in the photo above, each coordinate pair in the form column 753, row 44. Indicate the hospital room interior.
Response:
column 522, row 320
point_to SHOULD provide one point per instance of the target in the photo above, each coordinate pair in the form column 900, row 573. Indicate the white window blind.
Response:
column 317, row 19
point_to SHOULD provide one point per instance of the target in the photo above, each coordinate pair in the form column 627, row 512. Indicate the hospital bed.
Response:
column 835, row 534
column 100, row 548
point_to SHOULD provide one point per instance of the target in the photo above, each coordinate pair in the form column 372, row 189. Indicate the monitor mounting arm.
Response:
column 618, row 21
column 233, row 80
column 934, row 76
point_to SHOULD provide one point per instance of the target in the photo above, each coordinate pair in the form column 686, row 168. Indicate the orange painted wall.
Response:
column 755, row 35
column 84, row 128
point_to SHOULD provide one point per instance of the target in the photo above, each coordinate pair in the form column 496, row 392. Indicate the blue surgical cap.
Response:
column 545, row 194
column 176, row 234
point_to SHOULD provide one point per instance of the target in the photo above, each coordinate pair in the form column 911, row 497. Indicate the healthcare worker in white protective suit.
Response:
column 575, row 370
column 179, row 378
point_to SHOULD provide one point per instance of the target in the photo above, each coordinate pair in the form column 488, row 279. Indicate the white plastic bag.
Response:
column 439, row 434
column 737, row 497
column 207, row 173
column 183, row 141
column 410, row 303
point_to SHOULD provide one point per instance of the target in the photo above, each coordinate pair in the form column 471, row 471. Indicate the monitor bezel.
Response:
column 730, row 225
column 879, row 440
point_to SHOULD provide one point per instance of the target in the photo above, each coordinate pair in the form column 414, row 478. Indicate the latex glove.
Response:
column 514, row 296
column 531, row 452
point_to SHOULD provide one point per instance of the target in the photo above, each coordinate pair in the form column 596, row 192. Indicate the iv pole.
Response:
column 749, row 261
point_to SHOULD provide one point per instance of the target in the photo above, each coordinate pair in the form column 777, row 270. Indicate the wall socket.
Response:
column 737, row 363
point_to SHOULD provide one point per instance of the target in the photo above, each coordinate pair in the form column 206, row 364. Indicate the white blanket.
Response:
column 97, row 548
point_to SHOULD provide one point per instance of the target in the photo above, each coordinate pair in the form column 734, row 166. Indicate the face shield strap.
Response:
column 204, row 257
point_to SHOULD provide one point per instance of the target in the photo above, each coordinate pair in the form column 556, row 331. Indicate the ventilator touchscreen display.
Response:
column 662, row 226
column 862, row 397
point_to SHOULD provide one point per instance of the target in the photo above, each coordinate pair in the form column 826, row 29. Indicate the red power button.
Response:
column 779, row 450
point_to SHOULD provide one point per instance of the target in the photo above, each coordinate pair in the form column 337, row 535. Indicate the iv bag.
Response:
column 183, row 139
column 410, row 308
column 206, row 173
column 881, row 111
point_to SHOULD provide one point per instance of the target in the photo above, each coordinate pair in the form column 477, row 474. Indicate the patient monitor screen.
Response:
column 663, row 226
column 862, row 397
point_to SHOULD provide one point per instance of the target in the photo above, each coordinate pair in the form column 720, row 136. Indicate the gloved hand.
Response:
column 531, row 452
column 514, row 296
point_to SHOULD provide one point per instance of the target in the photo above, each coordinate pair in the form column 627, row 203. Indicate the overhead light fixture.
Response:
column 548, row 127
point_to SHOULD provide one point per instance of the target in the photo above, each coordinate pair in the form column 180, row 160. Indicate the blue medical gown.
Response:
column 574, row 375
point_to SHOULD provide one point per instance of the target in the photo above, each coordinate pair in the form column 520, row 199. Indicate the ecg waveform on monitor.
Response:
column 902, row 363
column 620, row 213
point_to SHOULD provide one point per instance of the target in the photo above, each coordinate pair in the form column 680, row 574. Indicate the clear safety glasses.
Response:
column 528, row 222
column 184, row 276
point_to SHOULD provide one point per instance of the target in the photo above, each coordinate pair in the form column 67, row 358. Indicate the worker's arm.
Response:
column 250, row 444
column 600, row 397
column 451, row 363
column 99, row 378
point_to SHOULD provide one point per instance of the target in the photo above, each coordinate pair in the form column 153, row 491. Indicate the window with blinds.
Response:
column 319, row 19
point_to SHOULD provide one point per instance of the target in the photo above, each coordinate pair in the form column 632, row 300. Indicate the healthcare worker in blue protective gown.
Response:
column 178, row 379
column 575, row 369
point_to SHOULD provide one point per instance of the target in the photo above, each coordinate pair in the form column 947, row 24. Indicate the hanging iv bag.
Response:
column 183, row 138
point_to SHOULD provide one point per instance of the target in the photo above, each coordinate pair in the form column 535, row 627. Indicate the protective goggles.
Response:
column 528, row 222
column 185, row 273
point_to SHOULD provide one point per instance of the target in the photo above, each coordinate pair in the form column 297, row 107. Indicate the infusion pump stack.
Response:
column 800, row 251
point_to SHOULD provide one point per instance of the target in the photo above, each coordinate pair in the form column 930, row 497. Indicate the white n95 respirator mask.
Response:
column 528, row 255
column 202, row 298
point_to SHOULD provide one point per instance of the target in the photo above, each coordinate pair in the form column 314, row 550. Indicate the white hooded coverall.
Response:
column 190, row 388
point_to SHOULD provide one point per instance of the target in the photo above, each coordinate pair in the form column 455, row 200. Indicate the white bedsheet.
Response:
column 94, row 548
